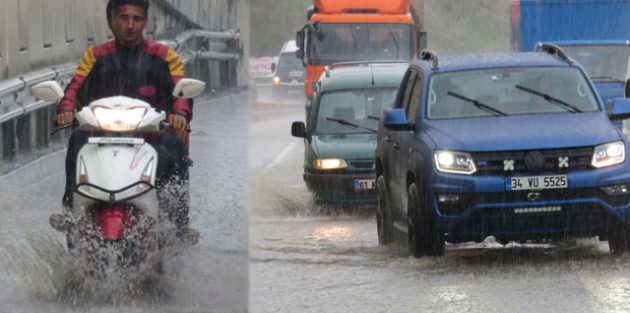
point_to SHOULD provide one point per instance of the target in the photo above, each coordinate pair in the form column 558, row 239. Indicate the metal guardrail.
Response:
column 26, row 122
column 16, row 99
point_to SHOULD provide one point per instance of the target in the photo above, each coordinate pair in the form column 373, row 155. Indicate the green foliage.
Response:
column 273, row 22
column 456, row 26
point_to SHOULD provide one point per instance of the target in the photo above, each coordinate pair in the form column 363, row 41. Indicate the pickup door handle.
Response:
column 396, row 145
column 387, row 139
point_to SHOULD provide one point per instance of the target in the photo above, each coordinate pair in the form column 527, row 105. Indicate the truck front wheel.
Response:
column 384, row 222
column 423, row 237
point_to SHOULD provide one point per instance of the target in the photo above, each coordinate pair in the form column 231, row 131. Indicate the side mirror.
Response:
column 620, row 109
column 273, row 67
column 48, row 91
column 627, row 89
column 298, row 129
column 299, row 41
column 422, row 40
column 396, row 120
column 189, row 88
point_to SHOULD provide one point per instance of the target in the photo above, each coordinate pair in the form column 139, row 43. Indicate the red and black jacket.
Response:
column 148, row 71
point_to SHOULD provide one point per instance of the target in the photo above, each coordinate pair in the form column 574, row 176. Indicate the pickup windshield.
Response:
column 332, row 43
column 601, row 62
column 352, row 111
column 509, row 91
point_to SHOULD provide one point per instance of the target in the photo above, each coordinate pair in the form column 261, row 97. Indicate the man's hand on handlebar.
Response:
column 178, row 125
column 65, row 118
column 177, row 122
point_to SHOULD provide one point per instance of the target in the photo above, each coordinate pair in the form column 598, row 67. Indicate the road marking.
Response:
column 283, row 155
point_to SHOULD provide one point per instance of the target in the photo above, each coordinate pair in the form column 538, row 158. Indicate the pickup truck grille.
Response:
column 513, row 162
column 510, row 197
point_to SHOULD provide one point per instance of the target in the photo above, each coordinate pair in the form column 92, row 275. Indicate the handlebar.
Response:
column 58, row 128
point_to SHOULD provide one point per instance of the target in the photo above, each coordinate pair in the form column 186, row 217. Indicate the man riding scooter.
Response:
column 139, row 68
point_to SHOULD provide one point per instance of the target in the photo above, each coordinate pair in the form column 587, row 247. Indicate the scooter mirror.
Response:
column 48, row 91
column 188, row 88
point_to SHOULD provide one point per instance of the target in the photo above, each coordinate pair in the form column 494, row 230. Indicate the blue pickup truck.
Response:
column 596, row 33
column 511, row 145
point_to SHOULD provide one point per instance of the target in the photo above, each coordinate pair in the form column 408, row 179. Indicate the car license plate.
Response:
column 364, row 184
column 536, row 182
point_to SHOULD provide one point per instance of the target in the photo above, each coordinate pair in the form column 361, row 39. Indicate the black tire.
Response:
column 423, row 238
column 619, row 239
column 384, row 220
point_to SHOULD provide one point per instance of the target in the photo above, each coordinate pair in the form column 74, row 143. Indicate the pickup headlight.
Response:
column 609, row 154
column 454, row 162
column 329, row 164
column 118, row 120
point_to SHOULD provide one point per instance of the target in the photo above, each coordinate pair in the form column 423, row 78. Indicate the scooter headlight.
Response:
column 118, row 120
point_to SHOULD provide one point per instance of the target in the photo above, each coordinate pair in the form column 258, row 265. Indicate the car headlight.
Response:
column 276, row 80
column 454, row 162
column 118, row 120
column 609, row 154
column 329, row 164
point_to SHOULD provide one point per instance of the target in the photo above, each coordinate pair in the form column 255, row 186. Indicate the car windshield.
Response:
column 353, row 111
column 509, row 91
column 332, row 43
column 289, row 61
column 603, row 62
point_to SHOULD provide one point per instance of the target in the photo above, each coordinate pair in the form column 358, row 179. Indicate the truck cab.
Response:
column 594, row 33
column 350, row 30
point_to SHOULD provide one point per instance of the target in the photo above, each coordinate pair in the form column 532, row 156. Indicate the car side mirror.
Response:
column 273, row 67
column 188, row 88
column 620, row 109
column 298, row 129
column 48, row 91
column 299, row 41
column 422, row 40
column 396, row 120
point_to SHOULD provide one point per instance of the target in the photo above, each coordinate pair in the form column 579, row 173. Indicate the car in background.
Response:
column 512, row 145
column 289, row 75
column 340, row 131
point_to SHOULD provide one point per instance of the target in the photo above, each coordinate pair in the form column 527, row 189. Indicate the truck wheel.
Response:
column 384, row 222
column 619, row 239
column 423, row 238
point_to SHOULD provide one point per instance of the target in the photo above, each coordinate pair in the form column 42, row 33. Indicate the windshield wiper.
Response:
column 567, row 106
column 607, row 78
column 346, row 123
column 480, row 105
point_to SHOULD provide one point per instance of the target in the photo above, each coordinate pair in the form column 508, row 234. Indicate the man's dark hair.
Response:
column 113, row 5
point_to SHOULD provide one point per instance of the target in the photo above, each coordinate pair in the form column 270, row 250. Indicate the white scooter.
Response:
column 115, row 202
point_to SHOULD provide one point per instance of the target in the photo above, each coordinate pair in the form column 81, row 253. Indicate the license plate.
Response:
column 115, row 141
column 536, row 182
column 364, row 184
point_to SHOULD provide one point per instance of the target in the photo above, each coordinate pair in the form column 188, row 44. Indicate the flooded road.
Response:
column 305, row 258
column 209, row 277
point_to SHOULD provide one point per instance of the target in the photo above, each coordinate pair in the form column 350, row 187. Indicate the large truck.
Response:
column 358, row 30
column 596, row 33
